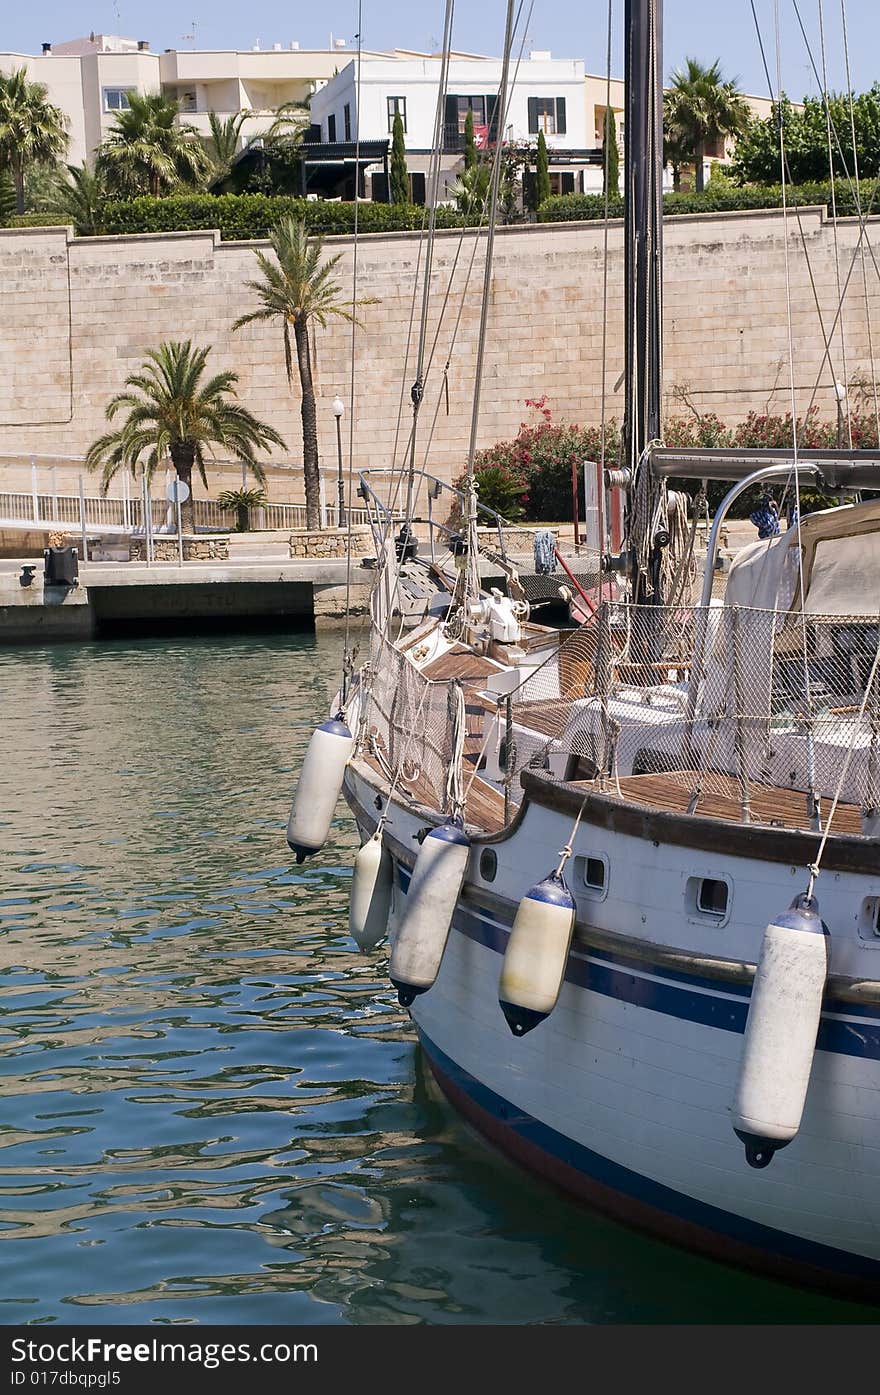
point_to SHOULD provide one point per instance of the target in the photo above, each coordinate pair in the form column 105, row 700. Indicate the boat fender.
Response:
column 370, row 902
column 781, row 1028
column 433, row 892
column 319, row 787
column 537, row 954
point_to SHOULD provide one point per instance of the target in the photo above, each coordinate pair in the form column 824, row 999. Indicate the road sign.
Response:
column 177, row 491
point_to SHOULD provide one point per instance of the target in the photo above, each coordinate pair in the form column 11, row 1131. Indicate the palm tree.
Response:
column 294, row 290
column 702, row 107
column 172, row 412
column 147, row 152
column 81, row 199
column 289, row 125
column 223, row 144
column 32, row 130
column 471, row 190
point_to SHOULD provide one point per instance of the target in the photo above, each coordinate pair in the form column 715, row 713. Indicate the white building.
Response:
column 548, row 96
column 90, row 78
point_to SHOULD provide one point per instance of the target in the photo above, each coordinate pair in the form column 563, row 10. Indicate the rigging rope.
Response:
column 813, row 801
column 347, row 657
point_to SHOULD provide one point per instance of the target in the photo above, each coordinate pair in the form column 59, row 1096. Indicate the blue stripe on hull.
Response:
column 641, row 1201
column 671, row 992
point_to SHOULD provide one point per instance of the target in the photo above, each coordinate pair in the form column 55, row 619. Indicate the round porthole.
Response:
column 488, row 864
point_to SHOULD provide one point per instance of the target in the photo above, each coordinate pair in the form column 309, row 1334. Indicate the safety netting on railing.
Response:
column 407, row 723
column 755, row 714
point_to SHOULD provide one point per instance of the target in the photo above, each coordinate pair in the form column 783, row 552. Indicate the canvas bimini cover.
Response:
column 841, row 564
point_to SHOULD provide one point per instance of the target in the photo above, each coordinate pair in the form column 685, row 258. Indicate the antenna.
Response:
column 191, row 37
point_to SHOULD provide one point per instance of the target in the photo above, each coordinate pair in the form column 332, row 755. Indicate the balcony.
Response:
column 453, row 140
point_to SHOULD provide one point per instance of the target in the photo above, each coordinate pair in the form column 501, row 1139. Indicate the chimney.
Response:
column 294, row 44
column 47, row 49
column 276, row 48
column 143, row 45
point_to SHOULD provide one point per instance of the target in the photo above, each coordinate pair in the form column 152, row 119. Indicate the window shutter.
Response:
column 560, row 116
column 491, row 114
column 379, row 188
column 417, row 188
column 533, row 116
column 567, row 182
column 451, row 117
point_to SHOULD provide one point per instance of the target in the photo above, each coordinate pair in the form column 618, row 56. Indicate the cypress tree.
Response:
column 610, row 156
column 399, row 176
column 7, row 198
column 470, row 144
column 542, row 172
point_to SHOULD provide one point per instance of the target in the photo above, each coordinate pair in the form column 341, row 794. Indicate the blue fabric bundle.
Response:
column 766, row 518
column 544, row 547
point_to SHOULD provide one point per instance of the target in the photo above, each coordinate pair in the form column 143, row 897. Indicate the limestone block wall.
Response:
column 80, row 313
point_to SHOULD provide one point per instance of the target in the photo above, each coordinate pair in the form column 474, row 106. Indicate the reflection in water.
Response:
column 212, row 1107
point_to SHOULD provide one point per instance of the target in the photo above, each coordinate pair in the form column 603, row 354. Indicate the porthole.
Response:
column 488, row 864
column 712, row 897
column 591, row 876
column 709, row 899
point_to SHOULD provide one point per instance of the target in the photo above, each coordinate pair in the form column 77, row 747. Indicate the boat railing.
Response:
column 784, row 700
column 787, row 715
column 440, row 508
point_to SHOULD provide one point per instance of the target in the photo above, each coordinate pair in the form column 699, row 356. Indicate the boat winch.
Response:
column 434, row 889
column 319, row 787
column 781, row 1030
column 537, row 954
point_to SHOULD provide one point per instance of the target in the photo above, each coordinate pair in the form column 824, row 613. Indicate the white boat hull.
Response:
column 623, row 1095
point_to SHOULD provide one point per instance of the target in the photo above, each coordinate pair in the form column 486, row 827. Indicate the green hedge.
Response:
column 38, row 220
column 571, row 208
column 243, row 216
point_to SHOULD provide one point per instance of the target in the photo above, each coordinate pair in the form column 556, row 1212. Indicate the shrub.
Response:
column 242, row 217
column 500, row 486
column 719, row 196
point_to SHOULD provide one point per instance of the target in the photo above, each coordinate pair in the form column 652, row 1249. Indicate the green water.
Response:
column 212, row 1108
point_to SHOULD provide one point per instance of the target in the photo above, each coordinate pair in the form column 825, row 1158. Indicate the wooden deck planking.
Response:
column 721, row 799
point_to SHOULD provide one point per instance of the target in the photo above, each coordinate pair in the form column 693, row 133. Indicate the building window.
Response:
column 116, row 98
column 395, row 105
column 346, row 117
column 331, row 128
column 188, row 101
column 547, row 114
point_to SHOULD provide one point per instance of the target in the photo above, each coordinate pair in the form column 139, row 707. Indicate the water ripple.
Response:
column 212, row 1106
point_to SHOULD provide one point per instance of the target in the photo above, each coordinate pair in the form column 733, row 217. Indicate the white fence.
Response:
column 121, row 511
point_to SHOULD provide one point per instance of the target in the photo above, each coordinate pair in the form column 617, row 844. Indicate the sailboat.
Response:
column 630, row 873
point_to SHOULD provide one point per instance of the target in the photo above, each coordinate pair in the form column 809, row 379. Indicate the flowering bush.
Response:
column 530, row 476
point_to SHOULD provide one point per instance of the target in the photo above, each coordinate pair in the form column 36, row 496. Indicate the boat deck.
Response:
column 722, row 798
column 484, row 805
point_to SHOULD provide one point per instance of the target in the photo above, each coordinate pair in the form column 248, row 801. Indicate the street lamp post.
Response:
column 338, row 409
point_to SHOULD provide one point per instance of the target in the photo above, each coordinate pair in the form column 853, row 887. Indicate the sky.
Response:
column 704, row 29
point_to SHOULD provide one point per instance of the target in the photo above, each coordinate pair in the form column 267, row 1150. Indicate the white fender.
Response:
column 318, row 787
column 430, row 902
column 370, row 901
column 537, row 953
column 781, row 1028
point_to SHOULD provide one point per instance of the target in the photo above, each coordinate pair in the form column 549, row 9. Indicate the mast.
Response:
column 643, row 267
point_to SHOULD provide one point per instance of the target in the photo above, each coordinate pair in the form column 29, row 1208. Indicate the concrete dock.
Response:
column 115, row 598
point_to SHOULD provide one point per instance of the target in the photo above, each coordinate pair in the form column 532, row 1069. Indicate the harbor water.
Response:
column 213, row 1108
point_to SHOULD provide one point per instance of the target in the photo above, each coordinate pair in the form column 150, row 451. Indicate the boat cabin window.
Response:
column 488, row 864
column 591, row 874
column 869, row 920
column 712, row 897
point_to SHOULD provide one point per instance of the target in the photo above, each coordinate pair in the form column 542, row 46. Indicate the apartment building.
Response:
column 90, row 78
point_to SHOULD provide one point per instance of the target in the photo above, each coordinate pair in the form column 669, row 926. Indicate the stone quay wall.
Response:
column 79, row 314
column 331, row 542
